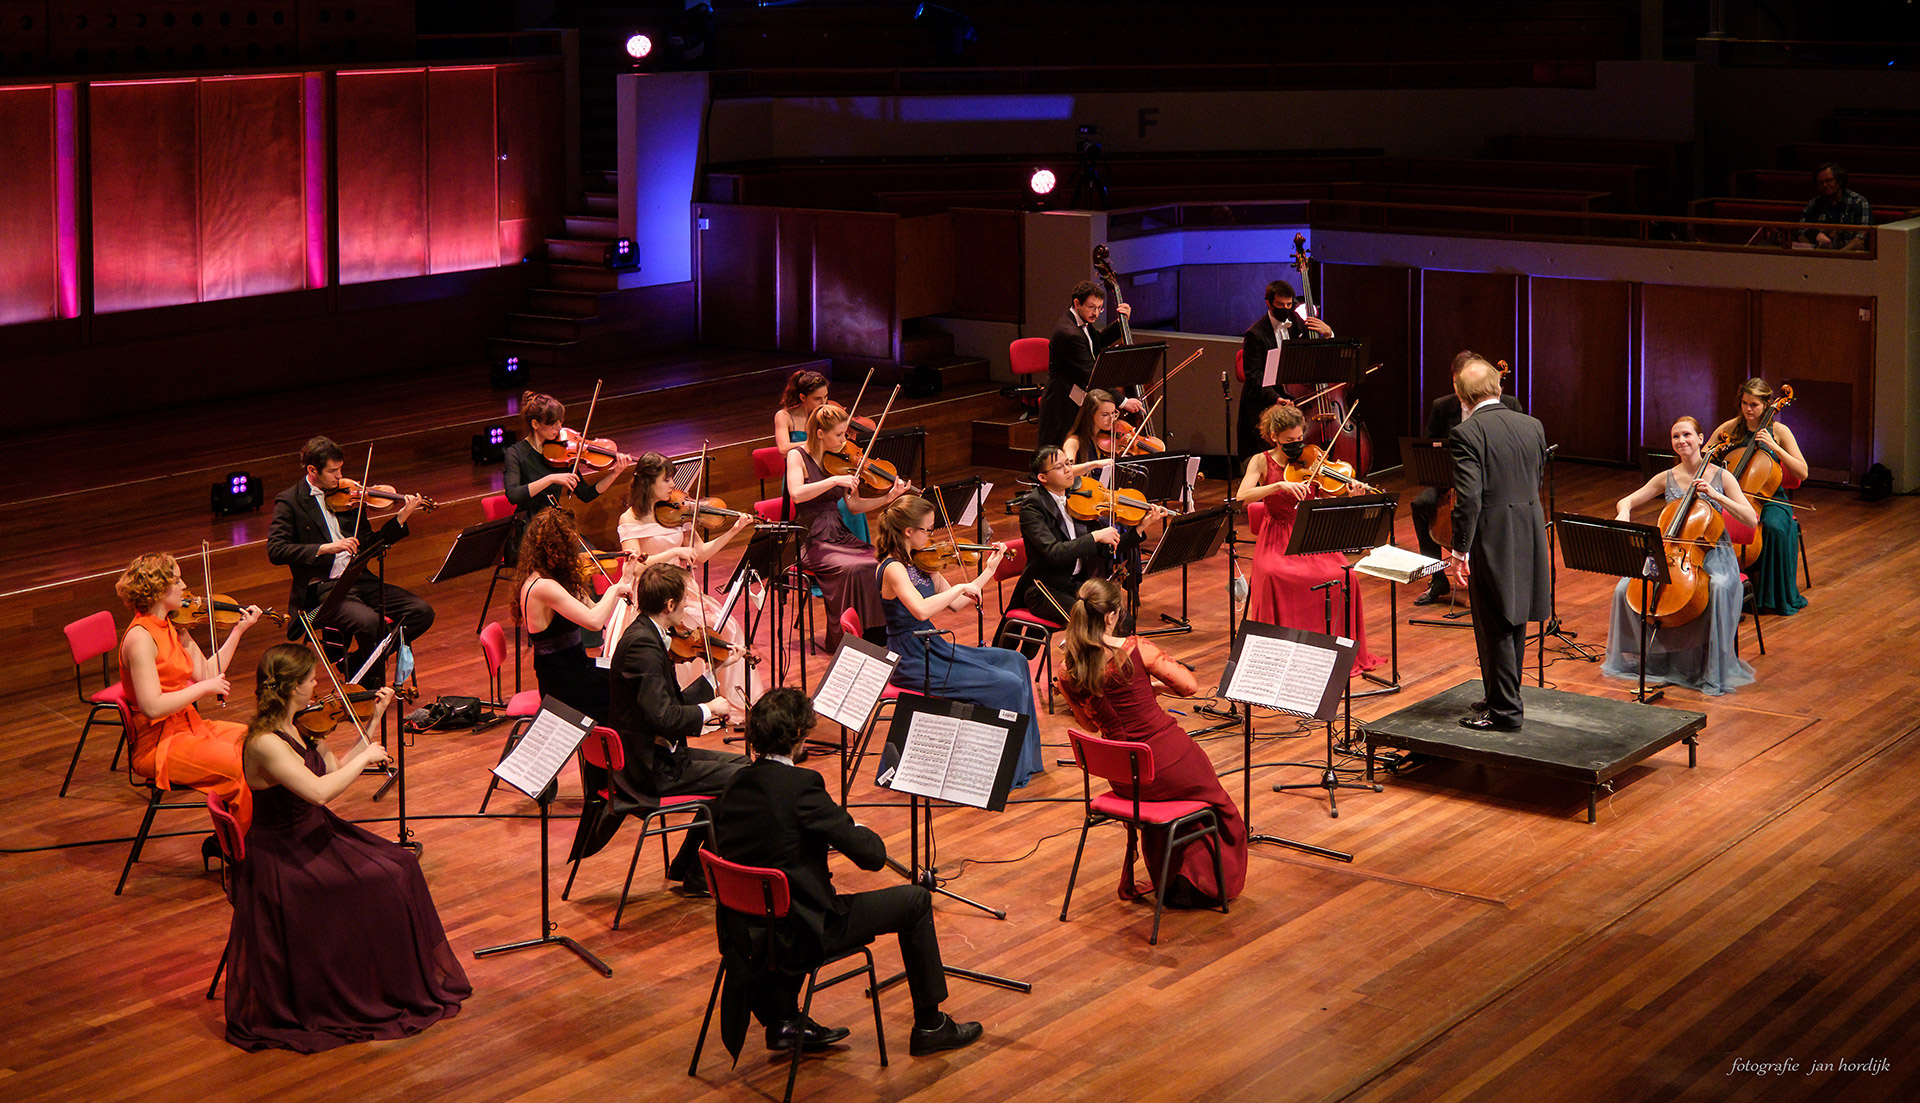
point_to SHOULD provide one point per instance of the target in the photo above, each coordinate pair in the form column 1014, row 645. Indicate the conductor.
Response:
column 1499, row 536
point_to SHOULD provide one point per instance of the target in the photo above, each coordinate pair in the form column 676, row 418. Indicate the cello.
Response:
column 1328, row 408
column 1757, row 470
column 1689, row 528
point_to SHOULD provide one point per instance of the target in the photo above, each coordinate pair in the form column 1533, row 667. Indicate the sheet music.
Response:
column 950, row 758
column 545, row 747
column 852, row 687
column 1281, row 674
column 1078, row 394
column 974, row 502
column 1272, row 370
column 1193, row 472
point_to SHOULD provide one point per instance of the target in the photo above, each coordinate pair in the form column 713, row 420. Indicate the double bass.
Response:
column 1757, row 470
column 1326, row 410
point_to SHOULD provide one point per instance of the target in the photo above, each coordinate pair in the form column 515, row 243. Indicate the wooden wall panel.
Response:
column 252, row 186
column 530, row 107
column 734, row 256
column 1154, row 297
column 380, row 129
column 796, row 302
column 1375, row 304
column 463, row 166
column 1469, row 310
column 854, row 264
column 1577, row 375
column 989, row 280
column 1823, row 345
column 29, row 241
column 146, row 208
column 923, row 283
column 1695, row 351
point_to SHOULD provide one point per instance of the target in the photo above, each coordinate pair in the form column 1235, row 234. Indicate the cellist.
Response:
column 1775, row 590
column 1698, row 654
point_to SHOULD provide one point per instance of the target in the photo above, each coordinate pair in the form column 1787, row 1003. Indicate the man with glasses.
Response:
column 1062, row 550
column 1280, row 323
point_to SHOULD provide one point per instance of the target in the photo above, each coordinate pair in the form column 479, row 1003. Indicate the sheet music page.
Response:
column 974, row 764
column 852, row 687
column 1305, row 679
column 929, row 748
column 973, row 505
column 1281, row 674
column 1272, row 371
column 542, row 751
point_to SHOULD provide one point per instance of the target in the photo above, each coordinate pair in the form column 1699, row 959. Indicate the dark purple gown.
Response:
column 334, row 937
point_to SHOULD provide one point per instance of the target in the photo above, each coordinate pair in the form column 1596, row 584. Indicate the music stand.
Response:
column 905, row 448
column 952, row 502
column 1319, row 362
column 1429, row 464
column 935, row 750
column 1288, row 670
column 545, row 747
column 483, row 547
column 1625, row 549
column 1121, row 366
column 772, row 554
column 1186, row 540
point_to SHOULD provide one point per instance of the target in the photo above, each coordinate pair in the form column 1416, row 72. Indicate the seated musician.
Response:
column 1062, row 550
column 1775, row 574
column 1442, row 417
column 840, row 561
column 656, row 718
column 316, row 544
column 531, row 483
column 776, row 815
column 1698, row 654
column 1083, row 446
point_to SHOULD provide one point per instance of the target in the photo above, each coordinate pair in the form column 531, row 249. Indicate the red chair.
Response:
column 1256, row 517
column 496, row 506
column 1027, row 356
column 1023, row 630
column 1740, row 533
column 1240, row 364
column 1120, row 763
column 769, row 463
column 602, row 748
column 233, row 851
column 763, row 895
column 91, row 638
column 156, row 803
column 521, row 710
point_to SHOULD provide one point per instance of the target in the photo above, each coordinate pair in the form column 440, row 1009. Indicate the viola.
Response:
column 876, row 475
column 688, row 644
column 570, row 447
column 938, row 557
column 350, row 494
column 1087, row 500
column 677, row 509
column 1689, row 528
column 226, row 612
column 326, row 713
column 1329, row 477
column 1757, row 470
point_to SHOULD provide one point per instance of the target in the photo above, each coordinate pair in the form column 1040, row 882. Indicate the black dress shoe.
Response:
column 948, row 1035
column 1431, row 597
column 1487, row 724
column 781, row 1036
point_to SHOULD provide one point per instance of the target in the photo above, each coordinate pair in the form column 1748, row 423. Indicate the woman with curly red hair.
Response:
column 552, row 602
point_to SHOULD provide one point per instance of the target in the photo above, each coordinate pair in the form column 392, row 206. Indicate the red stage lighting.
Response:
column 1042, row 181
column 639, row 47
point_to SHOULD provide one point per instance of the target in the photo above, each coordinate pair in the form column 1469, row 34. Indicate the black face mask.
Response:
column 1294, row 449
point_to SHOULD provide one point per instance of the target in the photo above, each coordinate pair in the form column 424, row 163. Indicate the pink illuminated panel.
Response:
column 252, row 214
column 382, row 157
column 146, row 203
column 29, row 234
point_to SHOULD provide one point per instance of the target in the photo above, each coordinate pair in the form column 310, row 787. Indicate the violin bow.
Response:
column 700, row 487
column 360, row 515
column 877, row 426
column 206, row 576
column 333, row 679
column 1160, row 382
column 586, row 427
column 1336, row 386
column 857, row 396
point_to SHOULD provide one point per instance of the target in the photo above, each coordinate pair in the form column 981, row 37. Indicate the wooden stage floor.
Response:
column 1485, row 944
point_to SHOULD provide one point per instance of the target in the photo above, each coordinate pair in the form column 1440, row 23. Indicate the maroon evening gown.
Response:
column 1130, row 710
column 334, row 937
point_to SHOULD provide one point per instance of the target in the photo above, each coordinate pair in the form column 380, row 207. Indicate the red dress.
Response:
column 185, row 748
column 1281, row 585
column 1127, row 708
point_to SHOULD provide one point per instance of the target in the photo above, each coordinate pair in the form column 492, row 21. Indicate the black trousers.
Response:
column 1057, row 411
column 1424, row 508
column 904, row 910
column 696, row 772
column 1502, row 647
column 359, row 617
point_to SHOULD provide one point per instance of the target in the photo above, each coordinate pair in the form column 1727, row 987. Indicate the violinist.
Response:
column 531, row 483
column 1094, row 425
column 334, row 937
column 841, row 561
column 991, row 677
column 1698, row 654
column 165, row 676
column 1071, row 350
column 1775, row 573
column 806, row 391
column 316, row 544
column 1442, row 416
column 554, row 604
column 644, row 536
column 656, row 717
column 1062, row 550
column 1281, row 322
column 1281, row 585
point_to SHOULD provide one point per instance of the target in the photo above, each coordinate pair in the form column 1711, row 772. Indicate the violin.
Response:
column 1757, row 470
column 1141, row 444
column 1317, row 468
column 350, row 494
column 324, row 714
column 1088, row 500
column 226, row 612
column 937, row 557
column 1689, row 527
column 570, row 449
column 688, row 644
column 594, row 560
column 677, row 509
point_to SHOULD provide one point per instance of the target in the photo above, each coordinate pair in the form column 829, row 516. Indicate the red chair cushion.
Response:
column 496, row 506
column 1027, row 355
column 682, row 802
column 1738, row 531
column 493, row 647
column 768, row 462
column 524, row 703
column 1256, row 517
column 770, row 510
column 1025, row 617
column 112, row 695
column 1151, row 811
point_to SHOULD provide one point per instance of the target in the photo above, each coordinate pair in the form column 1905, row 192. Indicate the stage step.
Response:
column 577, row 250
column 564, row 302
column 600, row 202
column 547, row 327
column 924, row 348
column 595, row 227
column 1004, row 442
column 583, row 277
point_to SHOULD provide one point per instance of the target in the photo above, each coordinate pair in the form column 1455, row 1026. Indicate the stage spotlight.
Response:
column 507, row 373
column 1042, row 181
column 621, row 256
column 237, row 493
column 639, row 46
column 490, row 445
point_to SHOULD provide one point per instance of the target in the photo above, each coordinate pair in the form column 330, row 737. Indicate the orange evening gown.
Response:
column 185, row 749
